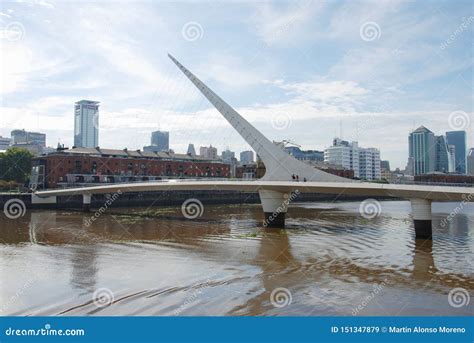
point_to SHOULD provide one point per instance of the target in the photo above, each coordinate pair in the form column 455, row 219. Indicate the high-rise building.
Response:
column 27, row 137
column 442, row 156
column 160, row 141
column 345, row 154
column 4, row 143
column 246, row 157
column 369, row 164
column 458, row 139
column 228, row 156
column 452, row 158
column 385, row 165
column 86, row 124
column 470, row 162
column 209, row 153
column 365, row 162
column 191, row 151
column 422, row 150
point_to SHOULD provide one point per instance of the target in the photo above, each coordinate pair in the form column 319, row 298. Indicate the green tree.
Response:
column 15, row 165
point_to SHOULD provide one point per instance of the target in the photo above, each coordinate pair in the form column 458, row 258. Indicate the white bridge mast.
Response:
column 279, row 165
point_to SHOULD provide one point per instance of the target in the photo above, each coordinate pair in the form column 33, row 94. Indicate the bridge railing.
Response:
column 422, row 183
column 92, row 184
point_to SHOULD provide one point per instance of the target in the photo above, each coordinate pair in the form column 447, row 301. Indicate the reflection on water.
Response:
column 329, row 259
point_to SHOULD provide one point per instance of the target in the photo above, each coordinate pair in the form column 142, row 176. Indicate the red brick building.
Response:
column 88, row 165
column 445, row 178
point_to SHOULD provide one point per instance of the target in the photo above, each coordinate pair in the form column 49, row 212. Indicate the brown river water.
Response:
column 328, row 261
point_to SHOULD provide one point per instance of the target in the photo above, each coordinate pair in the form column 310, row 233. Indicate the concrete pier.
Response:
column 421, row 211
column 86, row 202
column 275, row 206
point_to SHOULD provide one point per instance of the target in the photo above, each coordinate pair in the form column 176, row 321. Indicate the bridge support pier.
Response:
column 421, row 211
column 86, row 202
column 275, row 205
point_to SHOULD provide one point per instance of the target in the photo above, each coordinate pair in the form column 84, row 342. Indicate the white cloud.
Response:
column 16, row 62
column 330, row 91
column 278, row 23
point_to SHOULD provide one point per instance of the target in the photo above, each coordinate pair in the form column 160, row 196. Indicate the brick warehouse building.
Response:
column 78, row 166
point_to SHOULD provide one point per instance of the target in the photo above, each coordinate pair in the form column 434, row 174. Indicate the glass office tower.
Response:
column 86, row 124
column 458, row 139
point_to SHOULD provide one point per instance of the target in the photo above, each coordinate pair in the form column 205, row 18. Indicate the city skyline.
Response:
column 440, row 153
column 328, row 76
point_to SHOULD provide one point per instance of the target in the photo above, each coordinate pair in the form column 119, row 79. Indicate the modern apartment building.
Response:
column 365, row 162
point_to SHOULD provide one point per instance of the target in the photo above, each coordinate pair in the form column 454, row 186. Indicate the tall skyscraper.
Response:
column 422, row 150
column 452, row 158
column 442, row 156
column 458, row 139
column 470, row 162
column 86, row 124
column 246, row 157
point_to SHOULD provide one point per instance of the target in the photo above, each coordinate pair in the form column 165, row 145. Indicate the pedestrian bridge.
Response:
column 275, row 195
column 432, row 193
column 275, row 187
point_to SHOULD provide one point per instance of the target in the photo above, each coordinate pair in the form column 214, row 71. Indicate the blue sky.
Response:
column 304, row 71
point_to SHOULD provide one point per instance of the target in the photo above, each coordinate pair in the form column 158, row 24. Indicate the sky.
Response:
column 304, row 71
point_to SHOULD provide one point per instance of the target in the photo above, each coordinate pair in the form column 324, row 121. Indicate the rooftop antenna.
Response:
column 340, row 128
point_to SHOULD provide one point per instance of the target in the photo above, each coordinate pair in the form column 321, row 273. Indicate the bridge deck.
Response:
column 435, row 193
